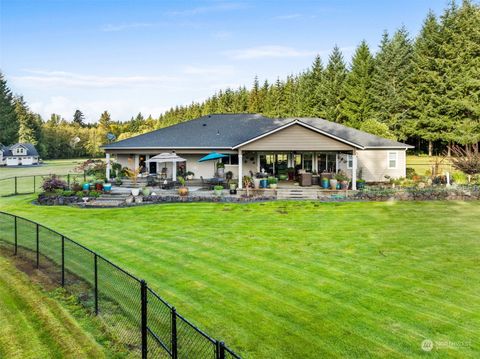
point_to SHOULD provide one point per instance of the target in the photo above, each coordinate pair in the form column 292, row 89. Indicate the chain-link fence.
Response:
column 12, row 186
column 137, row 317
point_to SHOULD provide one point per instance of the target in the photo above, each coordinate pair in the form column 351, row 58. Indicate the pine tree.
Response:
column 29, row 127
column 79, row 118
column 358, row 102
column 311, row 95
column 460, row 52
column 254, row 97
column 393, row 68
column 9, row 125
column 333, row 85
column 425, row 88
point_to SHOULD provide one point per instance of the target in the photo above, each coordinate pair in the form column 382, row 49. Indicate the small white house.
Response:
column 20, row 154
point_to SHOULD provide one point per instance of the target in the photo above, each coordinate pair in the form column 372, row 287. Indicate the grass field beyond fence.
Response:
column 300, row 279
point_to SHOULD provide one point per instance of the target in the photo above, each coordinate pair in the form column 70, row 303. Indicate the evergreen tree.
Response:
column 393, row 68
column 79, row 118
column 311, row 95
column 333, row 85
column 425, row 88
column 358, row 102
column 9, row 125
column 29, row 126
column 254, row 97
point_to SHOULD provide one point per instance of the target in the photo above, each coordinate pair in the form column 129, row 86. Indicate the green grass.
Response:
column 300, row 279
column 48, row 167
column 423, row 164
column 36, row 324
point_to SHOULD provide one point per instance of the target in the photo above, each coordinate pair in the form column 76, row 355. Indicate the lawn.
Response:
column 34, row 325
column 49, row 166
column 301, row 279
column 423, row 164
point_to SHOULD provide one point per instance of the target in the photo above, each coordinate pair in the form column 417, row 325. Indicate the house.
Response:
column 18, row 154
column 254, row 142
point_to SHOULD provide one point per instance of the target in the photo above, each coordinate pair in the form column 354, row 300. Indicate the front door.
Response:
column 152, row 167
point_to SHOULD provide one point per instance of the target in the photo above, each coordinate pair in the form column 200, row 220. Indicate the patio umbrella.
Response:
column 168, row 157
column 212, row 156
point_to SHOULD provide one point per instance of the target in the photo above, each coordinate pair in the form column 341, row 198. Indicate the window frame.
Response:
column 349, row 162
column 396, row 160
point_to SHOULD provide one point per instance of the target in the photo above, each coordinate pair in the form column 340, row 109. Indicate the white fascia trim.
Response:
column 297, row 122
column 164, row 148
column 406, row 147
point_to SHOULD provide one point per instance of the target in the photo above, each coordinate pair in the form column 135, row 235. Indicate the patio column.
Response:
column 240, row 169
column 107, row 159
column 354, row 170
column 174, row 171
column 136, row 163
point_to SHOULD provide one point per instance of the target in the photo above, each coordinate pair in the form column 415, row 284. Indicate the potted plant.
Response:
column 107, row 187
column 247, row 183
column 256, row 182
column 291, row 173
column 190, row 175
column 218, row 190
column 272, row 182
column 183, row 190
column 133, row 175
column 342, row 179
column 360, row 183
column 220, row 169
column 333, row 183
column 86, row 186
column 146, row 191
column 325, row 182
column 233, row 188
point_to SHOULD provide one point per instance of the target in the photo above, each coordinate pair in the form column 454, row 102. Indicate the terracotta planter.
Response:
column 344, row 184
column 183, row 191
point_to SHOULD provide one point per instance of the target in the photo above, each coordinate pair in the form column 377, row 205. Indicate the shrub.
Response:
column 218, row 188
column 52, row 183
column 410, row 173
column 459, row 178
column 94, row 194
column 272, row 180
column 68, row 193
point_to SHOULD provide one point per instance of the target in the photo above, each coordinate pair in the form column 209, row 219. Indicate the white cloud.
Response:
column 268, row 51
column 70, row 79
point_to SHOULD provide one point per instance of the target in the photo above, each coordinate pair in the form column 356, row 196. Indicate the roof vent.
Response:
column 218, row 133
column 204, row 124
column 209, row 116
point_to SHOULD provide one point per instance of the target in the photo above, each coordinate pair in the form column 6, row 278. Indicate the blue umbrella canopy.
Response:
column 212, row 156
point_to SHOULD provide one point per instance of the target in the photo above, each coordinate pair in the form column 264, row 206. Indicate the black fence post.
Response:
column 38, row 246
column 174, row 334
column 96, row 285
column 220, row 350
column 68, row 180
column 16, row 185
column 63, row 261
column 16, row 237
column 34, row 184
column 143, row 297
column 84, row 176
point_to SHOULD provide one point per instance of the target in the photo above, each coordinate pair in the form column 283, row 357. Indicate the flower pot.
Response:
column 333, row 184
column 291, row 176
column 98, row 186
column 273, row 185
column 146, row 191
column 344, row 185
column 256, row 182
column 86, row 186
column 220, row 171
column 135, row 192
column 218, row 192
column 183, row 191
column 107, row 187
column 325, row 183
column 360, row 184
column 263, row 183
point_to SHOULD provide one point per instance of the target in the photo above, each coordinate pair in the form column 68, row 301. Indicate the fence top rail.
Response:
column 198, row 330
column 43, row 175
column 159, row 298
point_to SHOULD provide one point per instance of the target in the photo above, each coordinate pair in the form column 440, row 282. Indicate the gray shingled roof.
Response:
column 230, row 130
column 31, row 150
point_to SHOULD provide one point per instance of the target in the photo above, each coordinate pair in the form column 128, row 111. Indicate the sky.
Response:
column 147, row 56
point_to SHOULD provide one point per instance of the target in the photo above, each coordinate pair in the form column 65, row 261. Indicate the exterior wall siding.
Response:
column 374, row 165
column 296, row 138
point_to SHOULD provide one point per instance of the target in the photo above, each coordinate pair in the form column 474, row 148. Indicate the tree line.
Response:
column 423, row 90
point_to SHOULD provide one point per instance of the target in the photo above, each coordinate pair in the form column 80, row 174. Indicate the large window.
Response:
column 392, row 160
column 230, row 160
column 308, row 162
column 327, row 162
column 349, row 162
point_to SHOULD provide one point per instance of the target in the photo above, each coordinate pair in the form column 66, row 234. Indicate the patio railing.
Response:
column 137, row 317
